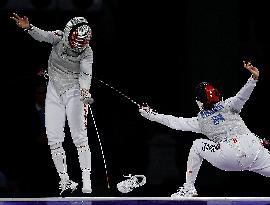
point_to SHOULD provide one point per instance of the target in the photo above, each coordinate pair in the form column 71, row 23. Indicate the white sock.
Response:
column 85, row 161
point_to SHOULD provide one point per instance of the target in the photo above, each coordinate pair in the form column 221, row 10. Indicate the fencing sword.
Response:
column 102, row 153
column 118, row 91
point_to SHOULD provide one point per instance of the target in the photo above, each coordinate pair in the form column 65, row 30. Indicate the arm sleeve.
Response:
column 85, row 77
column 237, row 102
column 177, row 123
column 51, row 37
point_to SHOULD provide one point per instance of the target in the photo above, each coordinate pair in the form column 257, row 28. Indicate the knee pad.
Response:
column 82, row 147
column 57, row 149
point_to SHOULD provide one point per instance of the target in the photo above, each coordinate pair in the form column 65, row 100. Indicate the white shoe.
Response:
column 129, row 184
column 67, row 185
column 187, row 190
column 87, row 188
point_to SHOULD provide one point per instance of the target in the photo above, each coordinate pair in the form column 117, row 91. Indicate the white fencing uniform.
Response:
column 69, row 71
column 231, row 145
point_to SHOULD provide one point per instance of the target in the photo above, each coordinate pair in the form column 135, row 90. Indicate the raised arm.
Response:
column 38, row 34
column 237, row 102
column 177, row 123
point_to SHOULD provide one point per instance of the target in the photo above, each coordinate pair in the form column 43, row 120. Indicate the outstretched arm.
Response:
column 177, row 123
column 38, row 34
column 237, row 102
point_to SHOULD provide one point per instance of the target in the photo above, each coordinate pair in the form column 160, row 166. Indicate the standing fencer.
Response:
column 231, row 145
column 68, row 95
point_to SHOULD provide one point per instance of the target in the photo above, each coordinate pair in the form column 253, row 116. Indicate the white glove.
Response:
column 86, row 96
column 146, row 111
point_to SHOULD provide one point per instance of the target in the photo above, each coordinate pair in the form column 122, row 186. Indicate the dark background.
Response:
column 154, row 52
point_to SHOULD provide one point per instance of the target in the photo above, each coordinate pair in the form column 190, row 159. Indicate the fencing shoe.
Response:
column 129, row 184
column 187, row 190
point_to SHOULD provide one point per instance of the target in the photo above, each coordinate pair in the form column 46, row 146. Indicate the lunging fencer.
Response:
column 68, row 95
column 231, row 145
